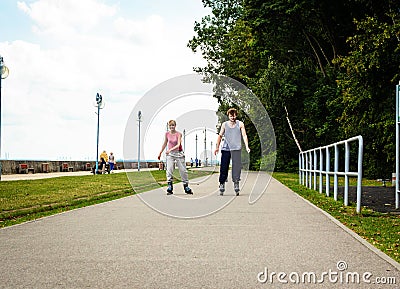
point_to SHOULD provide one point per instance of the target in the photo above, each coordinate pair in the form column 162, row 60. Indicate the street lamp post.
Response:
column 166, row 148
column 211, row 154
column 3, row 75
column 196, row 152
column 205, row 146
column 99, row 104
column 184, row 140
column 139, row 121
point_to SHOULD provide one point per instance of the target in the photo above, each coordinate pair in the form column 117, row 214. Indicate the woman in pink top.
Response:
column 173, row 139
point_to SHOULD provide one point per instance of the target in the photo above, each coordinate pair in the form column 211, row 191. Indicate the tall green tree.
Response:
column 370, row 73
column 211, row 38
column 295, row 56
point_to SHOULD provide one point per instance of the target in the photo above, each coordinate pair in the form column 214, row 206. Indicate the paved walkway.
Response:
column 126, row 244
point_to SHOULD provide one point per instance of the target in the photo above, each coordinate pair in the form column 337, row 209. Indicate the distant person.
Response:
column 111, row 161
column 103, row 162
column 234, row 131
column 102, row 165
column 197, row 162
column 191, row 162
column 173, row 139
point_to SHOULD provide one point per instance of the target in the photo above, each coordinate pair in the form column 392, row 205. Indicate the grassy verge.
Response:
column 26, row 200
column 380, row 229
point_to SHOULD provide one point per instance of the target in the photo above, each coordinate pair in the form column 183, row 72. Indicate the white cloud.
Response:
column 82, row 48
column 66, row 16
column 148, row 31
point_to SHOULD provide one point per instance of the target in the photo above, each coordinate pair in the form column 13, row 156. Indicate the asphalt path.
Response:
column 280, row 241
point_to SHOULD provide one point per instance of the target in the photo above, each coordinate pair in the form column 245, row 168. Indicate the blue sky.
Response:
column 61, row 53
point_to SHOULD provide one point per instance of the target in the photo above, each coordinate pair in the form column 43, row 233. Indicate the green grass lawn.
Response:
column 380, row 229
column 26, row 200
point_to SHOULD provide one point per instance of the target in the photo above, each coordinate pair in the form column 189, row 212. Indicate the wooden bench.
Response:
column 25, row 169
column 65, row 167
column 87, row 167
column 45, row 168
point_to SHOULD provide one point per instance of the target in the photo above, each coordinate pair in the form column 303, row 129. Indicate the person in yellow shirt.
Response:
column 103, row 161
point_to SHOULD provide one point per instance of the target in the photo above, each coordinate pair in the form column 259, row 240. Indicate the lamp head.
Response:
column 4, row 71
column 99, row 98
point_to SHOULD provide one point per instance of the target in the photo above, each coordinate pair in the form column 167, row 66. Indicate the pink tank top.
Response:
column 173, row 140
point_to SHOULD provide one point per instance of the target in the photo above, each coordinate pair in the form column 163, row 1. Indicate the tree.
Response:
column 333, row 65
column 370, row 73
column 212, row 33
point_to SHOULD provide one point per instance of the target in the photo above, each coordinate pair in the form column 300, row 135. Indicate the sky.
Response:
column 61, row 53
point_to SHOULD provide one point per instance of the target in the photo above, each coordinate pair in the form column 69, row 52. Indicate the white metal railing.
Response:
column 397, row 191
column 308, row 168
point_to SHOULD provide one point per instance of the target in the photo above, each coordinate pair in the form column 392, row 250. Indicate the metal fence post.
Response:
column 321, row 168
column 397, row 192
column 306, row 170
column 346, row 170
column 359, row 171
column 300, row 172
column 328, row 165
column 310, row 167
column 335, row 176
column 315, row 170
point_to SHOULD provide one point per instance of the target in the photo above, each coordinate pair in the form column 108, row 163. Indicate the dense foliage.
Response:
column 332, row 64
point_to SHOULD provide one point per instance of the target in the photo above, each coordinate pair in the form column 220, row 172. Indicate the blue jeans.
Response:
column 226, row 157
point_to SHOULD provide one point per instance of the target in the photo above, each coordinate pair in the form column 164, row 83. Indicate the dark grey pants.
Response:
column 226, row 157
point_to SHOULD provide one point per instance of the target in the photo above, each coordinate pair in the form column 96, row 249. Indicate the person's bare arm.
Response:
column 163, row 147
column 244, row 135
column 219, row 138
